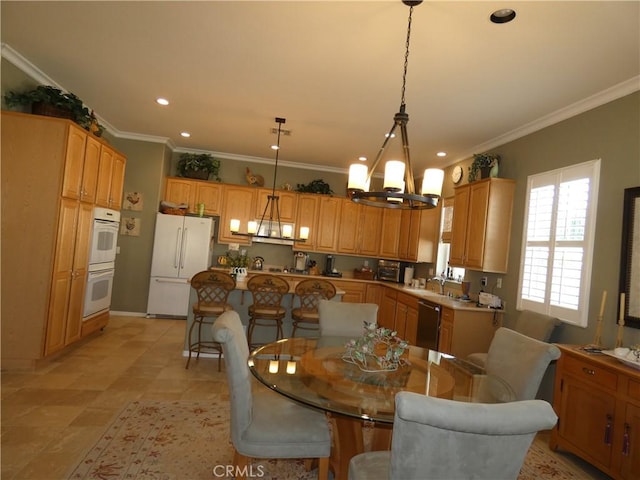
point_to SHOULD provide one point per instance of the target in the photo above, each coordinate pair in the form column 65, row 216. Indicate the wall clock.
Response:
column 456, row 174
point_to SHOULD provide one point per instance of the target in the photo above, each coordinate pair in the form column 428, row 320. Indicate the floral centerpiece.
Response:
column 378, row 350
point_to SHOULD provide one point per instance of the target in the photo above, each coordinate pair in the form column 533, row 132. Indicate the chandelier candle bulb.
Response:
column 287, row 231
column 357, row 177
column 394, row 175
column 252, row 227
column 304, row 233
column 291, row 367
column 432, row 181
column 274, row 366
column 234, row 225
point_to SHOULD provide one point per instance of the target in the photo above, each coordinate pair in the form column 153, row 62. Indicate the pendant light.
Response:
column 399, row 186
column 271, row 214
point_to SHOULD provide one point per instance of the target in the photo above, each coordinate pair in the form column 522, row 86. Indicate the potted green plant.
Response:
column 198, row 165
column 53, row 102
column 315, row 186
column 482, row 166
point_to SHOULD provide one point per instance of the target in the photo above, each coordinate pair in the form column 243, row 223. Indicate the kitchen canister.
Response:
column 408, row 275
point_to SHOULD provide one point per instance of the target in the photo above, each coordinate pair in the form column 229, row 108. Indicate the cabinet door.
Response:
column 401, row 319
column 369, row 230
column 354, row 292
column 390, row 234
column 79, row 275
column 586, row 415
column 103, row 191
column 117, row 181
column 459, row 226
column 90, row 170
column 328, row 221
column 407, row 234
column 62, row 276
column 631, row 457
column 476, row 224
column 447, row 219
column 307, row 214
column 374, row 294
column 446, row 331
column 411, row 326
column 74, row 161
column 387, row 314
column 287, row 203
column 349, row 227
column 210, row 194
column 240, row 203
column 179, row 190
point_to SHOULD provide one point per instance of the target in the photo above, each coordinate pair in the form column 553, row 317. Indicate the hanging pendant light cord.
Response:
column 406, row 56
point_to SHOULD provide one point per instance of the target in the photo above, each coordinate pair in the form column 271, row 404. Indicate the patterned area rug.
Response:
column 190, row 440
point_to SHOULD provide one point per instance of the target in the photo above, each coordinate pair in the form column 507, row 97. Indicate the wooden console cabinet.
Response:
column 597, row 400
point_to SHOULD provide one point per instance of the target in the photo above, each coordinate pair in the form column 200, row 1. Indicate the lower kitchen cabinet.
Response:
column 406, row 321
column 463, row 332
column 597, row 400
column 354, row 292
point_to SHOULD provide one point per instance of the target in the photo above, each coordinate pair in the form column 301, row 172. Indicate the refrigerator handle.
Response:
column 176, row 255
column 183, row 250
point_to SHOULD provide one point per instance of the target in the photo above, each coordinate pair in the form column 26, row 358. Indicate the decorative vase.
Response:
column 198, row 174
column 48, row 110
column 494, row 171
column 485, row 172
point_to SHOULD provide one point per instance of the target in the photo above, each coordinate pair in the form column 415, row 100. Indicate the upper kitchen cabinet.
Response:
column 110, row 178
column 240, row 203
column 192, row 192
column 326, row 237
column 360, row 227
column 390, row 232
column 81, row 165
column 306, row 216
column 481, row 230
column 287, row 205
column 419, row 231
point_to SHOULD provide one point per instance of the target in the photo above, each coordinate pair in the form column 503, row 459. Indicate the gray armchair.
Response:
column 532, row 324
column 520, row 361
column 435, row 438
column 265, row 424
column 345, row 319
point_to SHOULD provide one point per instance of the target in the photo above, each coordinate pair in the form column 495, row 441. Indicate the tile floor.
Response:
column 51, row 416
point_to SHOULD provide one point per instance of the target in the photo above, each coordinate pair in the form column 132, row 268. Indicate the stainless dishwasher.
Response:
column 428, row 325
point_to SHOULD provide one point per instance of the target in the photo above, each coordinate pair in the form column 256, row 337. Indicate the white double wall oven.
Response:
column 102, row 258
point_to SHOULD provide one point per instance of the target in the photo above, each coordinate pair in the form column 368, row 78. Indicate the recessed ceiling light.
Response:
column 162, row 101
column 504, row 15
column 185, row 134
column 362, row 159
column 393, row 135
column 441, row 154
column 275, row 147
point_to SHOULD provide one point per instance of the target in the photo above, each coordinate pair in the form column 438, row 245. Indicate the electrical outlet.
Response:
column 499, row 283
column 483, row 281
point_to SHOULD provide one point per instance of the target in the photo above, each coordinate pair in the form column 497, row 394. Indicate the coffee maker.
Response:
column 329, row 267
column 300, row 262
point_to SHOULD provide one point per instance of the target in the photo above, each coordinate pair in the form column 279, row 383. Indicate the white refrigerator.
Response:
column 181, row 248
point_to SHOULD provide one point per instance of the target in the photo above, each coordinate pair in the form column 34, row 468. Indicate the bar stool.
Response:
column 266, row 310
column 213, row 289
column 310, row 292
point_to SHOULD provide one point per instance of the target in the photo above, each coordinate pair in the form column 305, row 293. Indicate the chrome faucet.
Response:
column 441, row 281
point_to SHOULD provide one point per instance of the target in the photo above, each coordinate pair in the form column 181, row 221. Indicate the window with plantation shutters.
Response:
column 557, row 247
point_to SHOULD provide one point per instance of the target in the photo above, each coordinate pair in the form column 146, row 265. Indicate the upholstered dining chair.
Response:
column 265, row 424
column 436, row 438
column 309, row 293
column 345, row 319
column 532, row 324
column 213, row 289
column 268, row 292
column 520, row 361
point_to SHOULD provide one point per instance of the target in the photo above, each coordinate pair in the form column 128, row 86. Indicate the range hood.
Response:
column 270, row 229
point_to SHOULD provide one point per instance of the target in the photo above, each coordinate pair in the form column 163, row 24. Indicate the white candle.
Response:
column 252, row 227
column 287, row 231
column 291, row 367
column 304, row 233
column 234, row 225
column 622, row 305
column 604, row 300
column 274, row 366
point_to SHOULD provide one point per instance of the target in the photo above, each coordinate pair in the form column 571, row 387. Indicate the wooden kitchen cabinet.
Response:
column 390, row 233
column 192, row 192
column 406, row 321
column 110, row 178
column 420, row 230
column 387, row 310
column 359, row 229
column 597, row 400
column 354, row 292
column 463, row 332
column 481, row 226
column 307, row 216
column 326, row 237
column 287, row 204
column 240, row 203
column 44, row 260
column 374, row 294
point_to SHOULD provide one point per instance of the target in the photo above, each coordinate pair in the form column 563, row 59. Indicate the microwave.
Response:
column 389, row 271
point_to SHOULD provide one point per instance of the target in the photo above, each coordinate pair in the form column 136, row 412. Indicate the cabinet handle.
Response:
column 626, row 443
column 607, row 431
column 588, row 371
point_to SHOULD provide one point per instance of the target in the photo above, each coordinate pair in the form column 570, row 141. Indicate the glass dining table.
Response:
column 315, row 372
